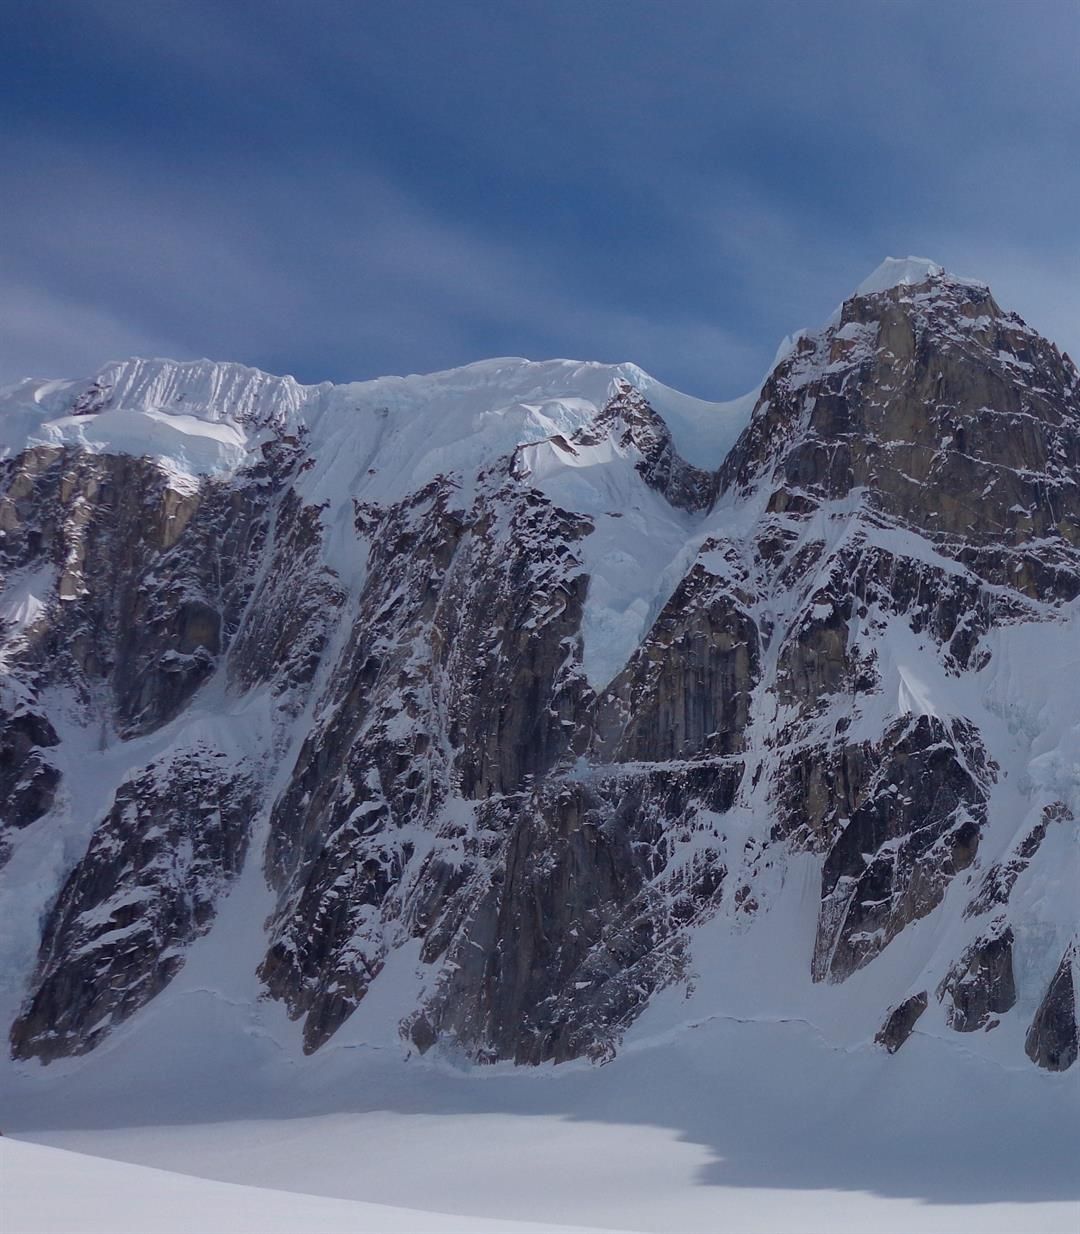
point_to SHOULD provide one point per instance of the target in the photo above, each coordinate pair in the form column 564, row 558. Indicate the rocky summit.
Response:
column 507, row 698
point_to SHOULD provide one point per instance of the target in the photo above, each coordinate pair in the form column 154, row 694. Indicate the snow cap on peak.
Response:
column 897, row 272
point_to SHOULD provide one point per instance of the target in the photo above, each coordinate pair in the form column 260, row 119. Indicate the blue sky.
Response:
column 344, row 188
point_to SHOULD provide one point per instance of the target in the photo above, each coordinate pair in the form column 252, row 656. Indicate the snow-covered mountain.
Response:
column 474, row 711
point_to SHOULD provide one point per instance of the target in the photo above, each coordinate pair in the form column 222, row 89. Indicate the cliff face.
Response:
column 479, row 669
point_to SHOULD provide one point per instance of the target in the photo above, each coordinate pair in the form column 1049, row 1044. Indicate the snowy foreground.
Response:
column 758, row 1128
column 58, row 1192
column 52, row 1191
column 754, row 1106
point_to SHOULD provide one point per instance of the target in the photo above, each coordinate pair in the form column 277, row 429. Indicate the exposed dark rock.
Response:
column 459, row 683
column 1000, row 879
column 1053, row 1039
column 28, row 780
column 686, row 691
column 147, row 887
column 290, row 613
column 912, row 823
column 94, row 399
column 921, row 390
column 549, row 963
column 901, row 1022
column 981, row 983
column 151, row 581
column 632, row 421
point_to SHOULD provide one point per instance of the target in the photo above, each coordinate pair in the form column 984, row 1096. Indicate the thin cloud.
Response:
column 340, row 191
column 49, row 336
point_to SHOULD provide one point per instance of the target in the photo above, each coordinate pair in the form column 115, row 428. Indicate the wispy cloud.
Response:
column 49, row 336
column 342, row 190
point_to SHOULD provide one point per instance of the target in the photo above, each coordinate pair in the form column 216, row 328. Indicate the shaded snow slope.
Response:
column 50, row 1191
column 752, row 1124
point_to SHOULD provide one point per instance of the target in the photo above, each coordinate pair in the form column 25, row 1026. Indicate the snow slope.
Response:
column 757, row 1126
column 378, row 440
column 754, row 1100
column 50, row 1191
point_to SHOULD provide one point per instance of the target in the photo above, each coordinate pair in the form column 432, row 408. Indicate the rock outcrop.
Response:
column 900, row 1022
column 980, row 984
column 1053, row 1040
column 28, row 780
column 147, row 886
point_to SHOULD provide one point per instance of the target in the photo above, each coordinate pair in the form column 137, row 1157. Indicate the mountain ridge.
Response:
column 543, row 715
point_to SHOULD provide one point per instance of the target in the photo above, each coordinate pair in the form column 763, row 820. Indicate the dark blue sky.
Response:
column 343, row 189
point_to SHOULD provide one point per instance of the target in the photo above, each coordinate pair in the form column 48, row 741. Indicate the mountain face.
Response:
column 528, row 691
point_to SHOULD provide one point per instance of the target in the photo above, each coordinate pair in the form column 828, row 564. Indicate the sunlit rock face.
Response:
column 481, row 669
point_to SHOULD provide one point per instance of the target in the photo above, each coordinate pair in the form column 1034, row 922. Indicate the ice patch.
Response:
column 898, row 272
column 702, row 432
column 913, row 697
column 375, row 440
column 181, row 442
column 639, row 548
column 24, row 598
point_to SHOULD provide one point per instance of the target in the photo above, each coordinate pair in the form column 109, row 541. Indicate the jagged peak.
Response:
column 403, row 429
column 915, row 282
column 916, row 336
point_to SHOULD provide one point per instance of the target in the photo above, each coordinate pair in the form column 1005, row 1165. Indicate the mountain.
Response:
column 492, row 704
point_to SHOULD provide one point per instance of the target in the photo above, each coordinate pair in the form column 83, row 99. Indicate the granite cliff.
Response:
column 493, row 682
